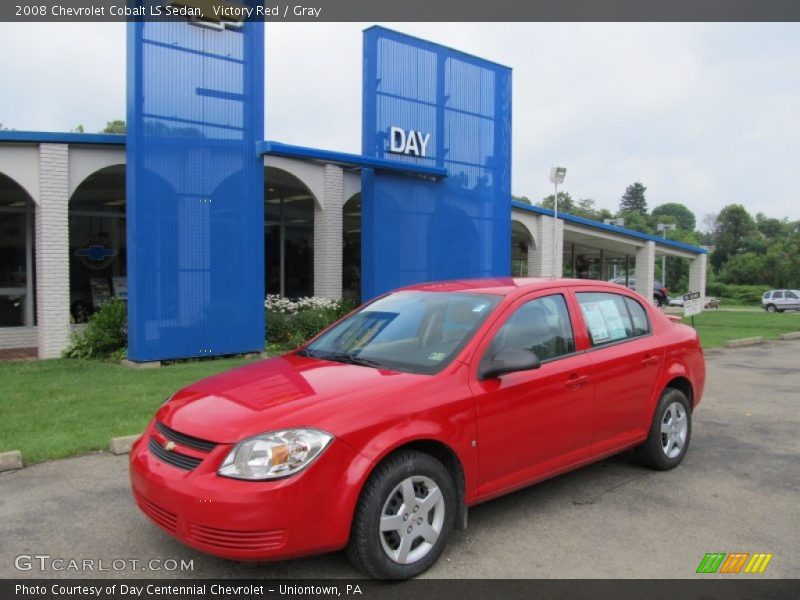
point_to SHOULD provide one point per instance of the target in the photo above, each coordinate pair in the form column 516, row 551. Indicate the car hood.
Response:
column 288, row 391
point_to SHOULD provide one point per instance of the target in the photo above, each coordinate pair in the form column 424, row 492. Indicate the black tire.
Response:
column 652, row 452
column 365, row 548
column 770, row 308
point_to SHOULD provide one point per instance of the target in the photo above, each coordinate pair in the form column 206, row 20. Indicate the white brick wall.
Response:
column 17, row 337
column 328, row 235
column 646, row 269
column 548, row 243
column 697, row 274
column 52, row 250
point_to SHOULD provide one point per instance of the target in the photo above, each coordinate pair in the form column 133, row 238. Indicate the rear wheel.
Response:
column 670, row 432
column 404, row 517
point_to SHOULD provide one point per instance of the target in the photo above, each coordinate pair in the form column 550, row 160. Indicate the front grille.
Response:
column 160, row 516
column 185, row 440
column 237, row 540
column 176, row 459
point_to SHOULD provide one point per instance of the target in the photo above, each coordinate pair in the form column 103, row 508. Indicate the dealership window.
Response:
column 351, row 249
column 521, row 248
column 97, row 242
column 288, row 235
column 16, row 255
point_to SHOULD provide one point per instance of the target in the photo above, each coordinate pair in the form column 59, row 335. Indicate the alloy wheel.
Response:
column 412, row 519
column 674, row 430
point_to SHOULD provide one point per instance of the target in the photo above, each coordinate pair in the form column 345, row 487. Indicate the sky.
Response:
column 702, row 114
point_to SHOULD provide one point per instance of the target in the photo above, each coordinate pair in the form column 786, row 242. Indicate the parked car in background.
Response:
column 378, row 434
column 780, row 300
column 710, row 301
column 660, row 293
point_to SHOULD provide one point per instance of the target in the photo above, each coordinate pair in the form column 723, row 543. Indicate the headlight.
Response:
column 274, row 454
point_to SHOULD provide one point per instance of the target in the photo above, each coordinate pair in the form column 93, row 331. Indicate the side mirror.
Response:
column 509, row 360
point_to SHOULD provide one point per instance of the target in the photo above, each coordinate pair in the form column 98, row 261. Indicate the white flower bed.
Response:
column 276, row 303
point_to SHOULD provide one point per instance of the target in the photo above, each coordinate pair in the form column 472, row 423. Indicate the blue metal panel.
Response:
column 195, row 197
column 415, row 229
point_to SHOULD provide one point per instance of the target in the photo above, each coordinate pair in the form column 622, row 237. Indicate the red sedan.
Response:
column 378, row 434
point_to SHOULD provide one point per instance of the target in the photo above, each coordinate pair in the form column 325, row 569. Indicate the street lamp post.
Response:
column 557, row 175
column 663, row 228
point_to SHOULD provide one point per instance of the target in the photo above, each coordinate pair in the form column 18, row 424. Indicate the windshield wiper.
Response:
column 351, row 359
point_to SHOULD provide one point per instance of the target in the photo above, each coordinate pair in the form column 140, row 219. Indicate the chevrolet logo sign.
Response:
column 216, row 14
column 169, row 445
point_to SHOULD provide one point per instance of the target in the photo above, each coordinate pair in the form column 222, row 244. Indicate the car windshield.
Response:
column 413, row 331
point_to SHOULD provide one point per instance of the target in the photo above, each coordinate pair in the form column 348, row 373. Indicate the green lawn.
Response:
column 57, row 408
column 718, row 326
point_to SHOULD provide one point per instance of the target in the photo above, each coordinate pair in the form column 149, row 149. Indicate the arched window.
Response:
column 522, row 247
column 17, row 297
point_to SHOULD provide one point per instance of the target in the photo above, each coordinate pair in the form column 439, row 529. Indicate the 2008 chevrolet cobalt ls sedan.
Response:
column 379, row 433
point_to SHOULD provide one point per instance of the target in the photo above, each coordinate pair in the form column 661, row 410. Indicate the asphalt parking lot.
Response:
column 737, row 491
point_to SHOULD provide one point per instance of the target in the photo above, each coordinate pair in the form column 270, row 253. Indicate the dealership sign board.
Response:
column 692, row 304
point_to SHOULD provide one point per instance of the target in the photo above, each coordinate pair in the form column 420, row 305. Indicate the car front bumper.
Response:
column 306, row 513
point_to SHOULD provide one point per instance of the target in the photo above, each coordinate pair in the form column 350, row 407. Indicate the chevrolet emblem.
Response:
column 169, row 445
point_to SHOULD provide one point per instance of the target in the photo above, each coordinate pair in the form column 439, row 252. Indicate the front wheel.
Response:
column 771, row 308
column 404, row 517
column 670, row 432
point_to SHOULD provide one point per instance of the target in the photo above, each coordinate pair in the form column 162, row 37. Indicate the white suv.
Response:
column 781, row 300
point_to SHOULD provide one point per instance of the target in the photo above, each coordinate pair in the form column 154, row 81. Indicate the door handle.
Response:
column 575, row 381
column 650, row 360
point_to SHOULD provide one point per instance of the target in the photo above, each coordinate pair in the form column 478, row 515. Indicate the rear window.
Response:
column 612, row 318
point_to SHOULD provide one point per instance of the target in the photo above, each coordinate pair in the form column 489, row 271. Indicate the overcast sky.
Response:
column 703, row 114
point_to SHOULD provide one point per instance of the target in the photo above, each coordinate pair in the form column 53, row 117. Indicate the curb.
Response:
column 741, row 342
column 794, row 335
column 122, row 445
column 154, row 364
column 10, row 461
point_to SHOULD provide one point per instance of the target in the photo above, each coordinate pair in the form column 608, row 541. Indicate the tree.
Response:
column 633, row 199
column 771, row 228
column 4, row 128
column 734, row 227
column 681, row 216
column 116, row 126
column 565, row 202
column 79, row 129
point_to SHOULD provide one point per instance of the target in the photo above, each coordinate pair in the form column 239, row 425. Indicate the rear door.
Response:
column 626, row 360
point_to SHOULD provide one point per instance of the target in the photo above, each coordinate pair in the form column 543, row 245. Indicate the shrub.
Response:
column 292, row 322
column 105, row 335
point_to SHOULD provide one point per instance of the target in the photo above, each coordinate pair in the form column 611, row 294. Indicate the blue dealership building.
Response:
column 193, row 216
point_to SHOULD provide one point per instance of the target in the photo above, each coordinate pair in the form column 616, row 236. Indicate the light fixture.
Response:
column 557, row 175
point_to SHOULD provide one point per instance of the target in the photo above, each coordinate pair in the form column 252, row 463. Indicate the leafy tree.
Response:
column 116, row 126
column 680, row 215
column 770, row 227
column 734, row 227
column 636, row 221
column 633, row 199
column 79, row 129
column 4, row 128
column 565, row 202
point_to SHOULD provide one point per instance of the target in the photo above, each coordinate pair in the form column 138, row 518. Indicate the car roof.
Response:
column 503, row 286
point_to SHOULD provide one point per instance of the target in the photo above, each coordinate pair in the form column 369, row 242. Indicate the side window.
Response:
column 641, row 326
column 607, row 317
column 791, row 295
column 541, row 326
column 777, row 295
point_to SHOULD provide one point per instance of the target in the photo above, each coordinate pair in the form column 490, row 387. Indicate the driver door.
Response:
column 532, row 423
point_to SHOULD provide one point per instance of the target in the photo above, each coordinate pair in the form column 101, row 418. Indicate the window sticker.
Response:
column 436, row 356
column 614, row 323
column 595, row 322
